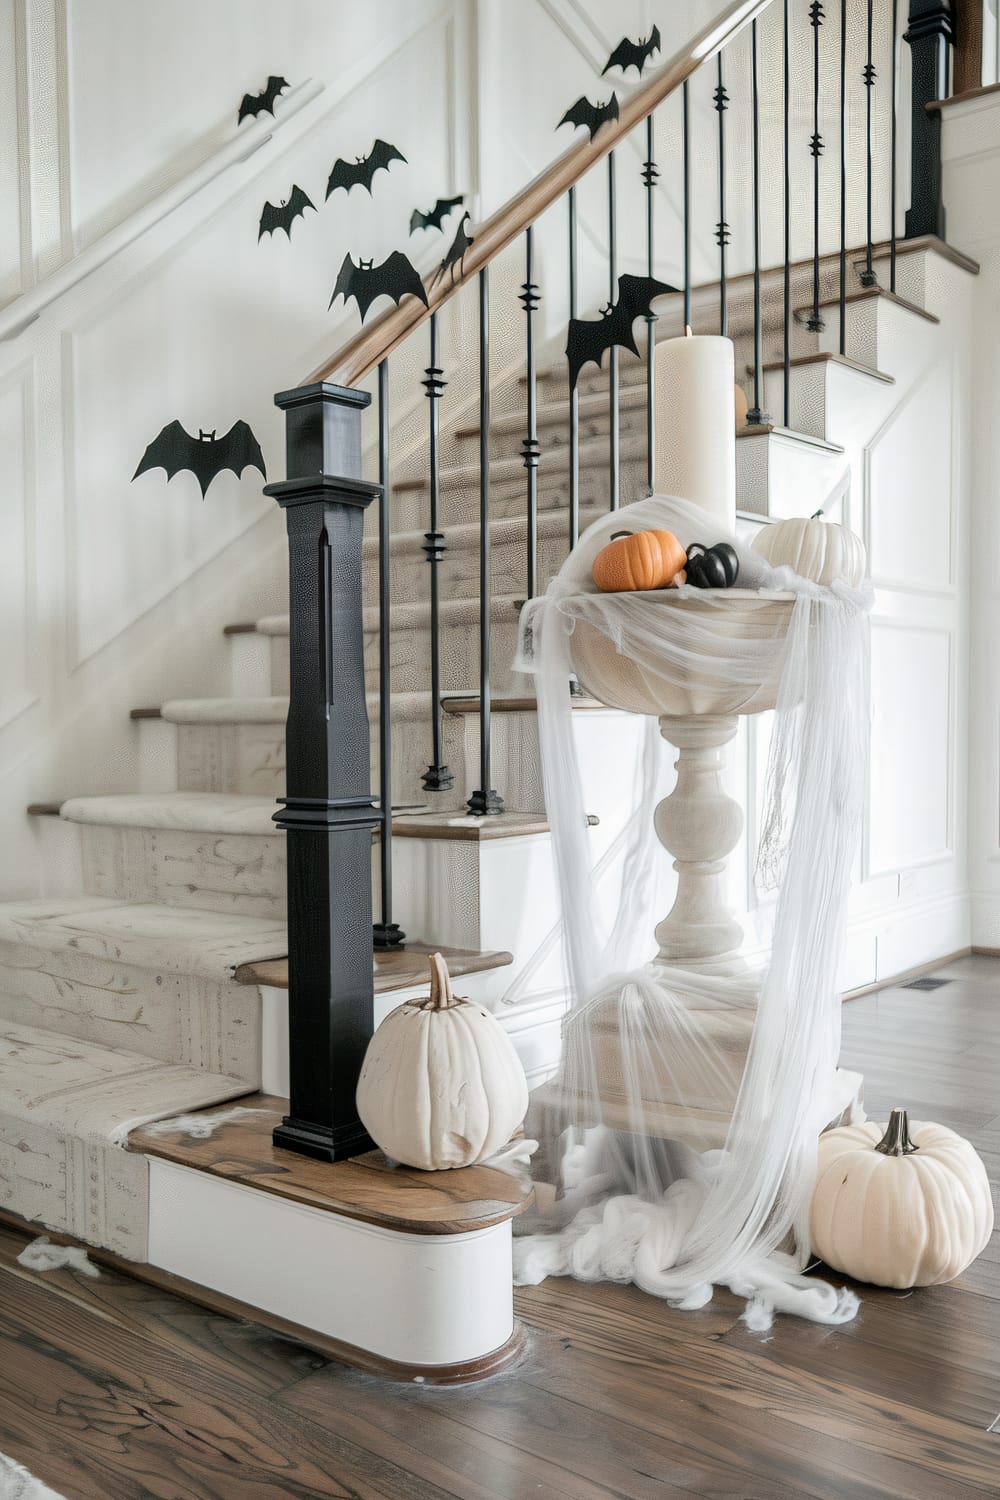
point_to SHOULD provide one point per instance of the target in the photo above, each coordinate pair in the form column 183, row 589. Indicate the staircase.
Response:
column 156, row 985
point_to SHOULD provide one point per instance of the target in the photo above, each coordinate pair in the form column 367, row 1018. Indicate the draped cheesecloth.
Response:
column 758, row 1047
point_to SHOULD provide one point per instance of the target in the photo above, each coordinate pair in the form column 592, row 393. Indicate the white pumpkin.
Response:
column 441, row 1085
column 899, row 1211
column 815, row 549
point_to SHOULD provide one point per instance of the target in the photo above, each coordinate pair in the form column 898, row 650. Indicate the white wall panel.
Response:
column 17, row 502
column 910, row 512
column 912, row 746
column 11, row 58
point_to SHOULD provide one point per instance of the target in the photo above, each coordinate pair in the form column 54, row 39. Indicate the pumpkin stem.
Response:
column 896, row 1141
column 442, row 996
column 816, row 514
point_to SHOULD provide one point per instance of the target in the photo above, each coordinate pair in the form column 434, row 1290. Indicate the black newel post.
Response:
column 328, row 812
column 929, row 34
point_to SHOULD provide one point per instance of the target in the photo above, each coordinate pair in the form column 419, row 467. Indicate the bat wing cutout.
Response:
column 284, row 215
column 396, row 277
column 174, row 449
column 593, row 116
column 435, row 217
column 359, row 173
column 588, row 338
column 456, row 251
column 633, row 54
column 262, row 103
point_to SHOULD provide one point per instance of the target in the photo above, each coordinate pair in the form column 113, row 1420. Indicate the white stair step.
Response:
column 778, row 470
column 66, row 1108
column 149, row 977
column 817, row 384
column 216, row 851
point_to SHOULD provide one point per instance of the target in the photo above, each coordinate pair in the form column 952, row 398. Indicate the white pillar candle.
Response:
column 696, row 426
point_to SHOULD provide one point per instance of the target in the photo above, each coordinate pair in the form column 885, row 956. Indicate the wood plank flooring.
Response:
column 118, row 1391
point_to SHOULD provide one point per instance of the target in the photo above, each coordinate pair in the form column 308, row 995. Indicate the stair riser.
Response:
column 241, row 873
column 458, row 572
column 218, row 758
column 173, row 1017
column 459, row 656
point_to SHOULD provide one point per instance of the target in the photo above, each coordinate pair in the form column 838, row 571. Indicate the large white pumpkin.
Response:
column 441, row 1084
column 898, row 1205
column 816, row 549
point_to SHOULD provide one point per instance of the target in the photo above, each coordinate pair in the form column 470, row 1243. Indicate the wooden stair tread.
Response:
column 469, row 704
column 837, row 359
column 981, row 91
column 395, row 969
column 369, row 1187
column 872, row 294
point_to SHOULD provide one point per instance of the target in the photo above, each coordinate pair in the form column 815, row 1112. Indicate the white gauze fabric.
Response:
column 756, row 1048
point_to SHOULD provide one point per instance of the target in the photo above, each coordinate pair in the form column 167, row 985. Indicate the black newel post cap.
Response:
column 322, row 431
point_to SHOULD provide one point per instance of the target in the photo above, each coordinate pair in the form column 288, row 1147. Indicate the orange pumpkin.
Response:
column 638, row 560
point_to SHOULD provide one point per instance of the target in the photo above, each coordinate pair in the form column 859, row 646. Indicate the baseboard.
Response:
column 214, row 1301
column 892, row 981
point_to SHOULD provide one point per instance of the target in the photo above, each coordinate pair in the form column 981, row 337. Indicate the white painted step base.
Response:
column 434, row 1304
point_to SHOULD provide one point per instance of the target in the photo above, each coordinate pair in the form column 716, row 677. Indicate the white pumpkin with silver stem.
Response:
column 441, row 1085
column 910, row 1207
column 814, row 548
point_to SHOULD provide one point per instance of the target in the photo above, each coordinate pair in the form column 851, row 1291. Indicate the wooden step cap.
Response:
column 395, row 968
column 836, row 359
column 872, row 294
column 369, row 1187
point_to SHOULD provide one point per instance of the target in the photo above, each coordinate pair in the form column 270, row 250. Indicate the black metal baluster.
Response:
column 893, row 151
column 787, row 230
column 386, row 933
column 756, row 416
column 686, row 153
column 650, row 173
column 815, row 323
column 868, row 277
column 485, row 801
column 574, row 399
column 529, row 447
column 722, row 228
column 613, row 436
column 843, row 177
column 437, row 777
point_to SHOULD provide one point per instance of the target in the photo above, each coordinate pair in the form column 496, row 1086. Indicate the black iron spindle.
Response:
column 893, row 149
column 786, row 345
column 686, row 153
column 868, row 73
column 756, row 416
column 574, row 399
column 815, row 322
column 722, row 228
column 485, row 801
column 437, row 777
column 386, row 933
column 613, row 435
column 650, row 173
column 843, row 178
column 529, row 447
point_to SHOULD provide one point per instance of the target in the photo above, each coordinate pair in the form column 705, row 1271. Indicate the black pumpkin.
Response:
column 712, row 567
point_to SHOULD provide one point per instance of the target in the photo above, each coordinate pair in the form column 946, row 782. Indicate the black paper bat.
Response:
column 456, row 251
column 262, row 103
column 360, row 171
column 365, row 282
column 633, row 54
column 591, row 115
column 206, row 455
column 435, row 217
column 284, row 216
column 588, row 338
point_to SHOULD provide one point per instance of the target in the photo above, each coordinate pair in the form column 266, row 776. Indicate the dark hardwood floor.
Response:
column 110, row 1388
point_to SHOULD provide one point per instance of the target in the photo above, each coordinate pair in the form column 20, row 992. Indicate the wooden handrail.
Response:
column 360, row 356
